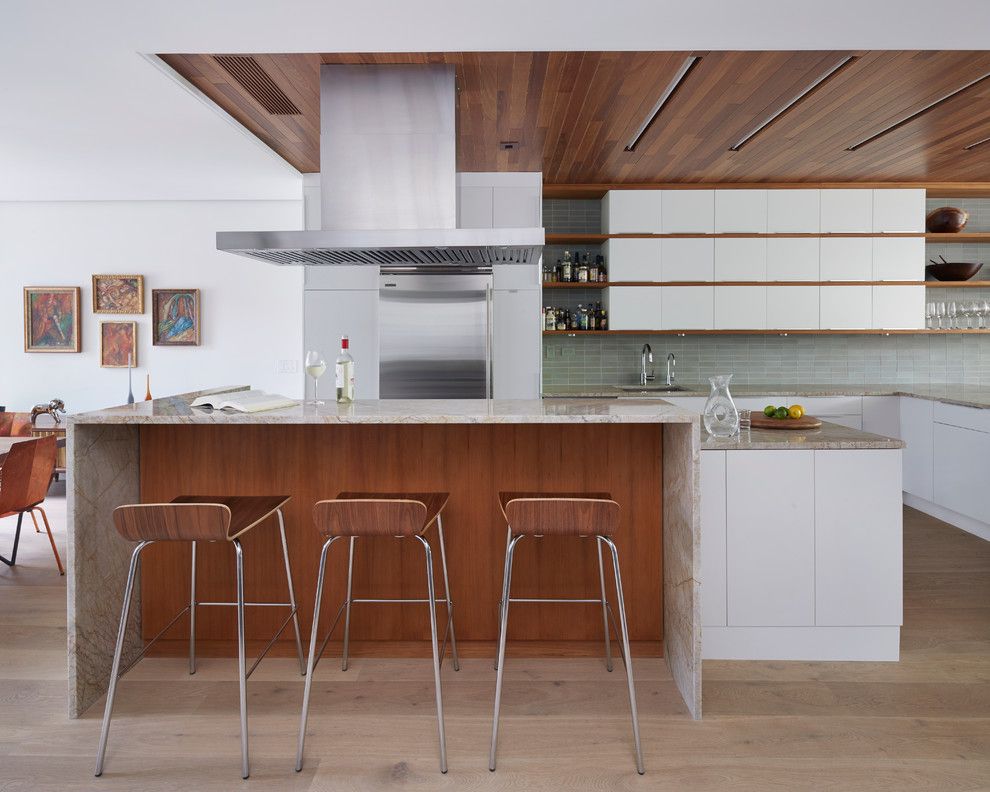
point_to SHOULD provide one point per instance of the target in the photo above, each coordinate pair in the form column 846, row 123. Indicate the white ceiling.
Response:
column 86, row 117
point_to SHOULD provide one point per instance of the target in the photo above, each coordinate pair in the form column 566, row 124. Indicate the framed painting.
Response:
column 118, row 342
column 51, row 319
column 175, row 317
column 118, row 294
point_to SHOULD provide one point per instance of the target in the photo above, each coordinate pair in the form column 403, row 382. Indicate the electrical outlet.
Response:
column 287, row 366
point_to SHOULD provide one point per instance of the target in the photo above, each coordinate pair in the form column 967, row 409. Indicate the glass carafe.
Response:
column 721, row 416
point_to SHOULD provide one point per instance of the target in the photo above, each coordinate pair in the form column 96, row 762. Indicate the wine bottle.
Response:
column 345, row 373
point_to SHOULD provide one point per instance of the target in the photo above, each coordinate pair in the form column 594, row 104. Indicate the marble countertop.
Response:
column 830, row 437
column 964, row 395
column 177, row 410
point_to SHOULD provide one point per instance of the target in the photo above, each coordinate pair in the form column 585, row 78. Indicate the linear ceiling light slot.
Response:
column 804, row 94
column 927, row 108
column 972, row 146
column 668, row 93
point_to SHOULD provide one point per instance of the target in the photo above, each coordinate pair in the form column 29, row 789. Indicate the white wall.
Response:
column 251, row 311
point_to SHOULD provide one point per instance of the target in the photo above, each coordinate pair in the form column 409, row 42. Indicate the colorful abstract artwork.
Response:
column 119, row 294
column 51, row 319
column 118, row 344
column 175, row 317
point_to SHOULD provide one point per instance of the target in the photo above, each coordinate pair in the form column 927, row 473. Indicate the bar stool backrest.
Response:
column 26, row 473
column 183, row 522
column 562, row 516
column 369, row 517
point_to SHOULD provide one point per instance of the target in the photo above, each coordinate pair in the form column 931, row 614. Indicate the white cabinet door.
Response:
column 687, row 308
column 899, row 258
column 329, row 314
column 474, row 207
column 516, row 343
column 687, row 211
column 848, row 211
column 846, row 258
column 740, row 259
column 793, row 211
column 740, row 307
column 858, row 538
column 898, row 307
column 713, row 514
column 770, row 538
column 631, row 212
column 882, row 415
column 963, row 417
column 792, row 307
column 687, row 259
column 846, row 307
column 898, row 211
column 793, row 259
column 517, row 207
column 632, row 259
column 960, row 471
column 340, row 277
column 916, row 432
column 740, row 211
column 633, row 307
column 516, row 276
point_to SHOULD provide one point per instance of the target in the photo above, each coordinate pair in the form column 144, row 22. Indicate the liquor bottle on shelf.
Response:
column 583, row 320
column 566, row 267
column 575, row 321
column 593, row 319
column 593, row 271
column 603, row 321
column 345, row 373
column 602, row 274
column 561, row 319
column 549, row 319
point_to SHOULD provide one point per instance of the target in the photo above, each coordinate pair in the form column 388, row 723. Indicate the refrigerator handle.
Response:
column 489, row 344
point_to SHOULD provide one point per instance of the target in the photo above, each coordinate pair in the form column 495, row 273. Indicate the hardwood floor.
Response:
column 922, row 723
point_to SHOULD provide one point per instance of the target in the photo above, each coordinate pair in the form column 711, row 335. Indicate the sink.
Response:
column 652, row 388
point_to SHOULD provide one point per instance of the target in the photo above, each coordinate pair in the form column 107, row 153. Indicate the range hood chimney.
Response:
column 387, row 180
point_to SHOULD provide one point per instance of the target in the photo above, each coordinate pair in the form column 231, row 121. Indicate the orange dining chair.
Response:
column 25, row 476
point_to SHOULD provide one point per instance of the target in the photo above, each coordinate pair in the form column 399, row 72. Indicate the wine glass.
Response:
column 316, row 365
column 939, row 314
column 930, row 315
column 984, row 313
column 953, row 314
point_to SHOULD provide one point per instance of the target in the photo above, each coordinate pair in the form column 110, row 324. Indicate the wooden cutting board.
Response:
column 760, row 421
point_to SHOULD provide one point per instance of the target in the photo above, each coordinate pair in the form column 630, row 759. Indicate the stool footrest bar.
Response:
column 553, row 599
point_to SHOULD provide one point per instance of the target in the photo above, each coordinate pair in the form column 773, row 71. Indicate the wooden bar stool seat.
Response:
column 365, row 515
column 201, row 518
column 535, row 514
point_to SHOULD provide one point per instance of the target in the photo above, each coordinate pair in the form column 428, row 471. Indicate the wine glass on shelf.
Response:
column 930, row 315
column 953, row 314
column 964, row 312
column 939, row 315
column 316, row 366
column 984, row 313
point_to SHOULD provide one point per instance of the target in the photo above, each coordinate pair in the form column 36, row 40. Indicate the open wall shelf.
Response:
column 597, row 239
column 934, row 189
column 985, row 284
column 576, row 333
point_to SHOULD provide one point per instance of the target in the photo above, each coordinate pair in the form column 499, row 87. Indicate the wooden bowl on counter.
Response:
column 946, row 220
column 952, row 270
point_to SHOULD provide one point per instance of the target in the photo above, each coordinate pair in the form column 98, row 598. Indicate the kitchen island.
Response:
column 646, row 453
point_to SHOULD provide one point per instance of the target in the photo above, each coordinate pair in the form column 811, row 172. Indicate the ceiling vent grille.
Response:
column 247, row 72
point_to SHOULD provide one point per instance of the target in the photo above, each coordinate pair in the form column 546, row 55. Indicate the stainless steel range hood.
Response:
column 387, row 181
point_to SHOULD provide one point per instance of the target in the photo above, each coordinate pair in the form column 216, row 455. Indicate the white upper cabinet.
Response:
column 740, row 211
column 687, row 211
column 687, row 307
column 899, row 258
column 741, row 307
column 845, row 307
column 631, row 212
column 898, row 211
column 517, row 207
column 740, row 259
column 633, row 307
column 792, row 307
column 898, row 307
column 847, row 211
column 474, row 207
column 793, row 258
column 499, row 200
column 793, row 211
column 687, row 259
column 846, row 258
column 632, row 259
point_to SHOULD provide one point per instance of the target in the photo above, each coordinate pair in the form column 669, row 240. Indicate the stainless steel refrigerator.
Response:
column 435, row 333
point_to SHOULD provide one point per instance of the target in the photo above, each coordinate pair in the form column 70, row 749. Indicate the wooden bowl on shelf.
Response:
column 946, row 220
column 952, row 270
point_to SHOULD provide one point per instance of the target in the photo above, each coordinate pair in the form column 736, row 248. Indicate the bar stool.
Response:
column 366, row 514
column 200, row 518
column 564, row 514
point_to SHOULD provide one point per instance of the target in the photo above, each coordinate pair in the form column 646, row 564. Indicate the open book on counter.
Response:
column 250, row 401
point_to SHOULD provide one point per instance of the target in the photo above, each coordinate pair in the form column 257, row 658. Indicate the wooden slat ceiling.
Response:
column 573, row 113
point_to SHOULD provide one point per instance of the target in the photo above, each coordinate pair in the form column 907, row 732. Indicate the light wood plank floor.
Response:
column 923, row 723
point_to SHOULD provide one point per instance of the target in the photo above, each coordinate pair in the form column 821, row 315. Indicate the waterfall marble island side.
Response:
column 646, row 453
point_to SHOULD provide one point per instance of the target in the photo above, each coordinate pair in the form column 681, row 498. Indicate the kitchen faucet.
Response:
column 647, row 355
column 671, row 362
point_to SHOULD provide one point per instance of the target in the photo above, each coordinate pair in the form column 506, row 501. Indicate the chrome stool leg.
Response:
column 292, row 593
column 192, row 613
column 241, row 659
column 446, row 592
column 503, row 629
column 347, row 606
column 625, row 651
column 311, row 662
column 601, row 578
column 431, row 596
column 505, row 571
column 118, row 650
